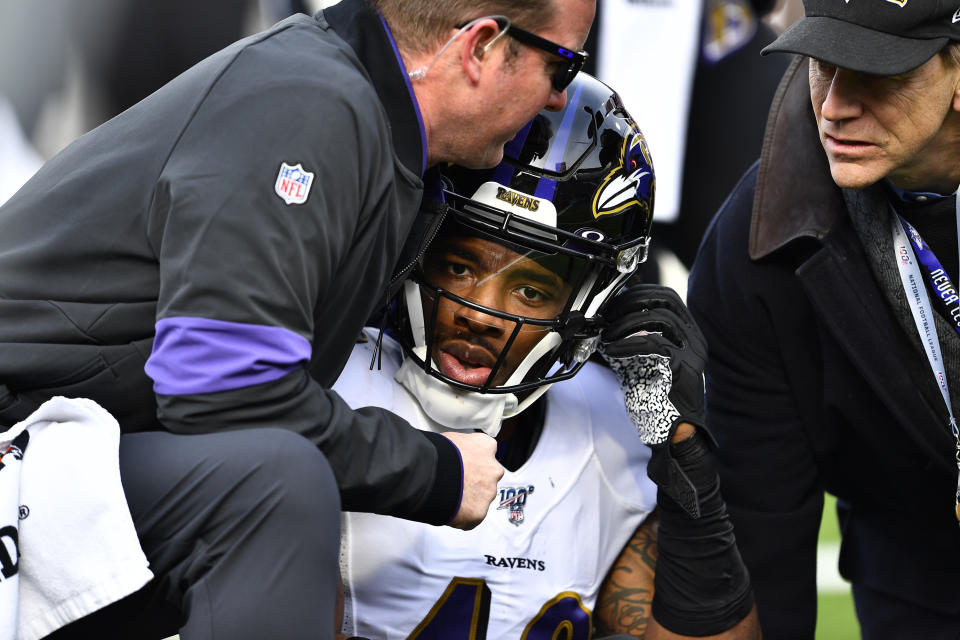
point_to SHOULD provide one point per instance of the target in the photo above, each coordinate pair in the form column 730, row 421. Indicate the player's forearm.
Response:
column 702, row 587
column 626, row 595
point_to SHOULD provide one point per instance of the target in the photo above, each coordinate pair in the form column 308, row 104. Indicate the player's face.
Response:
column 900, row 127
column 467, row 342
column 522, row 86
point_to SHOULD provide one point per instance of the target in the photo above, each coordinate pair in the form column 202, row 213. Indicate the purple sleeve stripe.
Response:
column 199, row 355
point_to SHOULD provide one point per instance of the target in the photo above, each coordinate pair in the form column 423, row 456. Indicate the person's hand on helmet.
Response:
column 658, row 354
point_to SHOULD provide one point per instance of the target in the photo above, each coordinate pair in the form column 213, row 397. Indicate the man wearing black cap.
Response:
column 826, row 288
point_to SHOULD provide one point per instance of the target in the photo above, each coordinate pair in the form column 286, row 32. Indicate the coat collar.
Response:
column 795, row 194
column 362, row 28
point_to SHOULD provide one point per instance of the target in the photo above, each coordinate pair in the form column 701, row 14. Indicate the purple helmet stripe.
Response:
column 545, row 188
column 503, row 174
column 558, row 148
column 200, row 355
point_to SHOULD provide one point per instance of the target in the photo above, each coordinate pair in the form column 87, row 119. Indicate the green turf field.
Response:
column 835, row 617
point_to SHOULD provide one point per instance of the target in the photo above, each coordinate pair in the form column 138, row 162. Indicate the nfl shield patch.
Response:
column 514, row 499
column 293, row 183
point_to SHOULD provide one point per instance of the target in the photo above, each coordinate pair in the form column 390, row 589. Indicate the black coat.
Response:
column 813, row 385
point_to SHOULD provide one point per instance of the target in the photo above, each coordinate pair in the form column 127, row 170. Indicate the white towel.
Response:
column 63, row 502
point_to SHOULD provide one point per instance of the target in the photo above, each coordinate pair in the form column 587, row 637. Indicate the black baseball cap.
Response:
column 880, row 37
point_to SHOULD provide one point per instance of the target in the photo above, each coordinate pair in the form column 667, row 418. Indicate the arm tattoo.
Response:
column 623, row 605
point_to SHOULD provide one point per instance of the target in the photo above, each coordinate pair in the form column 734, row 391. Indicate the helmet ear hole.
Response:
column 573, row 196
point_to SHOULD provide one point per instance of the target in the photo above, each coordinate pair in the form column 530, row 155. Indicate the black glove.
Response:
column 658, row 353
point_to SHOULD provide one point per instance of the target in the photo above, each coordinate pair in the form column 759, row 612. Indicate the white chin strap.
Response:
column 451, row 407
column 455, row 408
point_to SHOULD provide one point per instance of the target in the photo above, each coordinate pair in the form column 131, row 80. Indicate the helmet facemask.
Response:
column 505, row 301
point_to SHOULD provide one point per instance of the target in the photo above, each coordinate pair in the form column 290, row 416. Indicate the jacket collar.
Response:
column 364, row 30
column 795, row 196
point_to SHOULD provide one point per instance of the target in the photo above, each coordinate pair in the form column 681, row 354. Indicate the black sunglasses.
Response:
column 564, row 74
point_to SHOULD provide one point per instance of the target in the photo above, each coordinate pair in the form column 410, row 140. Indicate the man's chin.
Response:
column 853, row 176
column 484, row 161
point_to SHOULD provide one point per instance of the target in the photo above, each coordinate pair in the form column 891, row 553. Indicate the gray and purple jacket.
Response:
column 206, row 259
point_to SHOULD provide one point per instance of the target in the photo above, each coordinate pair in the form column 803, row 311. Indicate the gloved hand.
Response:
column 658, row 354
column 701, row 586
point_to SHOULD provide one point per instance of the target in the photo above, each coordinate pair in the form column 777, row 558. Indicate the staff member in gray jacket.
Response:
column 826, row 289
column 201, row 266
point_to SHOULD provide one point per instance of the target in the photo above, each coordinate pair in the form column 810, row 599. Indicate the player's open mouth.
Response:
column 467, row 364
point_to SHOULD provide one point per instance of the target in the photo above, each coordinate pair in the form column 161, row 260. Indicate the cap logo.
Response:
column 293, row 183
column 956, row 16
column 899, row 3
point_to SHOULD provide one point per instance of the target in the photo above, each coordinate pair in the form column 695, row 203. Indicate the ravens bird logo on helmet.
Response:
column 628, row 184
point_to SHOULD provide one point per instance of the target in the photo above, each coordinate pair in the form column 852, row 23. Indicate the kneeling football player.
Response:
column 506, row 302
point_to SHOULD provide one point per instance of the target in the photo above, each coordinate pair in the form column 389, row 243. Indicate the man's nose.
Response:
column 843, row 100
column 557, row 100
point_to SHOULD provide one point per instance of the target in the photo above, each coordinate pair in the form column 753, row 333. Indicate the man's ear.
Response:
column 474, row 49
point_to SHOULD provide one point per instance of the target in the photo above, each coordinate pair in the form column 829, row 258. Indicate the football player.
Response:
column 507, row 300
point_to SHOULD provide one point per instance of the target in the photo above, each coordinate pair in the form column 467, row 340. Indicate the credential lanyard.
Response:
column 912, row 253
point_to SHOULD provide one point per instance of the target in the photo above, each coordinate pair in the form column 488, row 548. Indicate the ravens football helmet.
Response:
column 506, row 298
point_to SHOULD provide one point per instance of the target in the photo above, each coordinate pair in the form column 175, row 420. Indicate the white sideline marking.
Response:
column 828, row 578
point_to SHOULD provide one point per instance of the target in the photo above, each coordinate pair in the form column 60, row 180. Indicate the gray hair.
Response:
column 420, row 26
column 951, row 53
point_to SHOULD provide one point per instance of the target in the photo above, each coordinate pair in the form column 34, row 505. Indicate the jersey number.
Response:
column 462, row 612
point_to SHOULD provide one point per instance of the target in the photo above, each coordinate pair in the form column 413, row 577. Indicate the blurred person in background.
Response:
column 67, row 67
column 691, row 71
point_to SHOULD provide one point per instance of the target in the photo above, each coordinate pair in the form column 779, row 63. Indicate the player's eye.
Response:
column 457, row 269
column 530, row 294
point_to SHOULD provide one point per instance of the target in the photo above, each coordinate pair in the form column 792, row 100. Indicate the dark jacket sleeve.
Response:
column 767, row 467
column 245, row 274
column 382, row 464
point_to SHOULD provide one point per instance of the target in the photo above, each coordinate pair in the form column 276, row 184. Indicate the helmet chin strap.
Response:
column 451, row 407
column 456, row 408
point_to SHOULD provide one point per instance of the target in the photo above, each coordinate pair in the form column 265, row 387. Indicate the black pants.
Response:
column 242, row 532
column 885, row 617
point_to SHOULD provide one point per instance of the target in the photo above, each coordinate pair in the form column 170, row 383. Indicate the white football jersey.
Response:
column 536, row 563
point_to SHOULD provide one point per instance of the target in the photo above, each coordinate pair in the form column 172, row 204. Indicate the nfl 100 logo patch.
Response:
column 13, row 449
column 293, row 183
column 514, row 499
